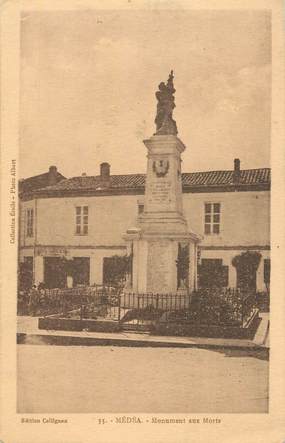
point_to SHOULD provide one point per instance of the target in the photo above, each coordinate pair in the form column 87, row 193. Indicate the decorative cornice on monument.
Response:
column 156, row 235
column 163, row 141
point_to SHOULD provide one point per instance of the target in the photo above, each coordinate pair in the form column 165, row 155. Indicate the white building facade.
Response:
column 84, row 218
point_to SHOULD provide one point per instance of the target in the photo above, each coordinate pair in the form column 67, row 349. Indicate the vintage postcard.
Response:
column 142, row 222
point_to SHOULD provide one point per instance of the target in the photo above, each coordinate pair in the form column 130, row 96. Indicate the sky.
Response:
column 88, row 81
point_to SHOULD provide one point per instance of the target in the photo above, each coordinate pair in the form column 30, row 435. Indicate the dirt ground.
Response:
column 68, row 379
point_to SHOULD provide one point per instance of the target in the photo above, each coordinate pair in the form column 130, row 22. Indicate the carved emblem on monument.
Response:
column 160, row 167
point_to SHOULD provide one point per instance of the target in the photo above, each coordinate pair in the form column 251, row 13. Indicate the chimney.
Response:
column 236, row 175
column 105, row 173
column 52, row 175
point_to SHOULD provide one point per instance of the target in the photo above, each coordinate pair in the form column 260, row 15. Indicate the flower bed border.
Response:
column 71, row 324
column 209, row 331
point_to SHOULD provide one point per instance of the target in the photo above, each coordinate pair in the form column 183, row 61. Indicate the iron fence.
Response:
column 219, row 306
column 80, row 302
column 141, row 311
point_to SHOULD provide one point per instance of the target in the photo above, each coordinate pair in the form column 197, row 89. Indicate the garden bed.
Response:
column 74, row 324
column 186, row 329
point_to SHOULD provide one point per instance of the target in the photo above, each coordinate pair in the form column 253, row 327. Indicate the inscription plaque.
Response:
column 160, row 192
column 158, row 266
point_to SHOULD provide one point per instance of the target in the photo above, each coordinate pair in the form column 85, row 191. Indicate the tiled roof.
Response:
column 95, row 182
column 37, row 182
column 137, row 181
column 216, row 178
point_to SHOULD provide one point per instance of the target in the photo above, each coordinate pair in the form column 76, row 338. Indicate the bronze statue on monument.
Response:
column 165, row 124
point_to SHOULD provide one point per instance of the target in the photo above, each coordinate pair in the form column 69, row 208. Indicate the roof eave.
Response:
column 139, row 190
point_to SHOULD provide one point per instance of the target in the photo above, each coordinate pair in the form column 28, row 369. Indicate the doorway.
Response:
column 81, row 271
column 26, row 274
column 212, row 273
column 54, row 272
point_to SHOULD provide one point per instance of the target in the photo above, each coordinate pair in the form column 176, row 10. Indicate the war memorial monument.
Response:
column 162, row 245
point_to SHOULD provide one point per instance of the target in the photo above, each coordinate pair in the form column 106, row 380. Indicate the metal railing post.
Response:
column 119, row 308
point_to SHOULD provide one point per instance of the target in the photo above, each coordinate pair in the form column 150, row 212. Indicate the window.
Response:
column 81, row 220
column 30, row 222
column 212, row 218
column 54, row 272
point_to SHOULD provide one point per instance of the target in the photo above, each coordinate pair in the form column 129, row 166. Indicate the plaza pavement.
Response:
column 137, row 372
column 115, row 379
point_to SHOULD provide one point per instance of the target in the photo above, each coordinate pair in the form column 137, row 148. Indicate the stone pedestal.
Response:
column 163, row 250
column 154, row 263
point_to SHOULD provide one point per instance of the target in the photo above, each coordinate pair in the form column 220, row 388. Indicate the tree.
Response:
column 246, row 265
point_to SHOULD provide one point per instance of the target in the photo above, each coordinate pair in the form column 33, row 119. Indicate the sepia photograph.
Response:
column 144, row 211
column 142, row 235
